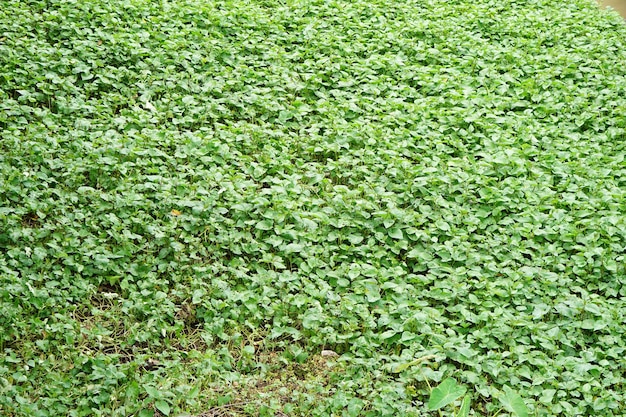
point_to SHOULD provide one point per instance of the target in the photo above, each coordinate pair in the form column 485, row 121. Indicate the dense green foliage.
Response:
column 198, row 197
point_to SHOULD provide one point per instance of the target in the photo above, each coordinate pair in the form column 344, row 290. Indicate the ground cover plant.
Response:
column 349, row 208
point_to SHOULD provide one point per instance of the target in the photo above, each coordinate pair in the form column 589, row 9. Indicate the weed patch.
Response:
column 199, row 198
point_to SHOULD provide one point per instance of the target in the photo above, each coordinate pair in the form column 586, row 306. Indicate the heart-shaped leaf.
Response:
column 513, row 402
column 445, row 393
column 163, row 407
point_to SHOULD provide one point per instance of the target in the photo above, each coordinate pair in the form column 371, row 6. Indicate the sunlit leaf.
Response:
column 513, row 402
column 445, row 393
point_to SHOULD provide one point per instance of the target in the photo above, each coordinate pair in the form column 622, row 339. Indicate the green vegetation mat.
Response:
column 199, row 198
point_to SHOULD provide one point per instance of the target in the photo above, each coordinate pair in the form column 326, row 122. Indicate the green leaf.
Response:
column 355, row 239
column 396, row 233
column 132, row 391
column 265, row 225
column 163, row 407
column 465, row 407
column 445, row 393
column 513, row 402
column 152, row 391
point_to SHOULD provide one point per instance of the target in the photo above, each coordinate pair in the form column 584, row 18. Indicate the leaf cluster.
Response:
column 198, row 197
